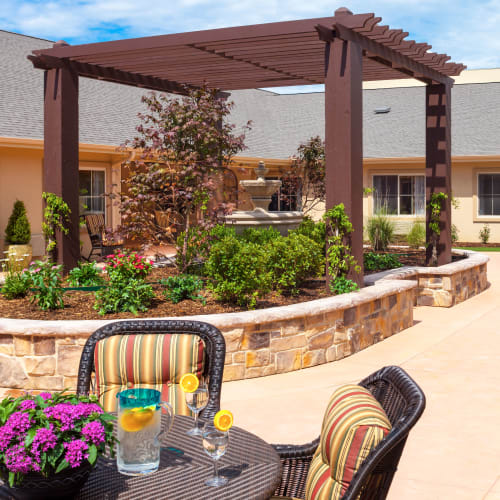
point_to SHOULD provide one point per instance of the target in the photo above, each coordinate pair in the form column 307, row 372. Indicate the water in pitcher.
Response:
column 139, row 427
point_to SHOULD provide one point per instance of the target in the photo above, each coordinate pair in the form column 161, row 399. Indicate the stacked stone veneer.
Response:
column 446, row 285
column 46, row 354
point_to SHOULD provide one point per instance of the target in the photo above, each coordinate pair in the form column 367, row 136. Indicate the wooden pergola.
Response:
column 339, row 51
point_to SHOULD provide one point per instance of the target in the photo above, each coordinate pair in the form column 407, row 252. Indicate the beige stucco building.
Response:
column 393, row 135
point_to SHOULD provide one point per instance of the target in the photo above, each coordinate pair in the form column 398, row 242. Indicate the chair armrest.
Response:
column 295, row 462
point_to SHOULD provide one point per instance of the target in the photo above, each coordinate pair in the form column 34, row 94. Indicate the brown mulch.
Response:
column 472, row 244
column 79, row 305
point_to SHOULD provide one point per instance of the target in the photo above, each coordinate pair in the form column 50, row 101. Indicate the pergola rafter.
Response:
column 339, row 51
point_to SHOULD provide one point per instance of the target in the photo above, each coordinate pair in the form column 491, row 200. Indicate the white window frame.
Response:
column 398, row 175
column 478, row 215
column 85, row 168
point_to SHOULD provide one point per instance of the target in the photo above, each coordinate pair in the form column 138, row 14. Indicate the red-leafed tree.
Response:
column 184, row 142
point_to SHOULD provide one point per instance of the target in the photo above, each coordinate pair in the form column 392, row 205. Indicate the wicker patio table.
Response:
column 252, row 466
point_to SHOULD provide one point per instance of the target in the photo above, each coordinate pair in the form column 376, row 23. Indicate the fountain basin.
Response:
column 262, row 219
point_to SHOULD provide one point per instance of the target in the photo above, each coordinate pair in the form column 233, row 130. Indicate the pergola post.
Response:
column 343, row 136
column 60, row 162
column 438, row 165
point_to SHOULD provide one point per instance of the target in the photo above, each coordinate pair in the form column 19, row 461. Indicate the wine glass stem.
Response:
column 216, row 472
column 196, row 419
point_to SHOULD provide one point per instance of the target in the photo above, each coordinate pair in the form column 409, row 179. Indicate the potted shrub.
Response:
column 50, row 442
column 17, row 237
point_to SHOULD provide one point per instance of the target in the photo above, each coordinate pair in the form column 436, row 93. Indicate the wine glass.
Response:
column 215, row 443
column 196, row 401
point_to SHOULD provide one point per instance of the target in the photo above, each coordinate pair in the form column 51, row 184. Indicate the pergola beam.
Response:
column 388, row 54
column 109, row 74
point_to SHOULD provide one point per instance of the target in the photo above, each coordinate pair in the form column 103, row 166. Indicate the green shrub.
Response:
column 342, row 285
column 132, row 295
column 314, row 230
column 380, row 231
column 378, row 262
column 484, row 234
column 16, row 286
column 416, row 235
column 454, row 233
column 220, row 231
column 197, row 246
column 46, row 279
column 237, row 271
column 18, row 231
column 340, row 261
column 85, row 274
column 260, row 236
column 293, row 259
column 182, row 287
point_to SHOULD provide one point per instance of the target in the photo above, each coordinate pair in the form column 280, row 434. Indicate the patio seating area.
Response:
column 452, row 452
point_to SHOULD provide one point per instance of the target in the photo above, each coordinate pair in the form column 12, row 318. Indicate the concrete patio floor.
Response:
column 454, row 355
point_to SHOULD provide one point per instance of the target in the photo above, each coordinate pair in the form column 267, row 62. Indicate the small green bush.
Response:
column 16, row 286
column 46, row 279
column 182, row 287
column 378, row 262
column 314, row 230
column 454, row 233
column 484, row 234
column 260, row 236
column 18, row 231
column 380, row 231
column 416, row 235
column 342, row 285
column 293, row 259
column 132, row 295
column 220, row 231
column 85, row 274
column 237, row 271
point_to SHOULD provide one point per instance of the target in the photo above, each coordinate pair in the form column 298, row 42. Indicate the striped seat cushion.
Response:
column 354, row 424
column 155, row 361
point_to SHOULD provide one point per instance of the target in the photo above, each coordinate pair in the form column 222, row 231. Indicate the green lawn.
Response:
column 481, row 249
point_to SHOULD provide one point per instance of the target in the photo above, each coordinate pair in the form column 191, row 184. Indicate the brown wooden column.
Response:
column 438, row 163
column 60, row 164
column 343, row 136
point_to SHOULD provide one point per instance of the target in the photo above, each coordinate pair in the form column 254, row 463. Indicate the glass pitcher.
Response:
column 139, row 429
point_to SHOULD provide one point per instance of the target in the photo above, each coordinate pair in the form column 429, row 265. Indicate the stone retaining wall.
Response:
column 46, row 354
column 443, row 286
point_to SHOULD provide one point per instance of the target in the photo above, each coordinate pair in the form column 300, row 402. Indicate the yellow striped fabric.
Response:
column 155, row 361
column 354, row 424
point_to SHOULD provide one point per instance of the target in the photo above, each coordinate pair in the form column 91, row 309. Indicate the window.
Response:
column 92, row 199
column 488, row 190
column 288, row 197
column 399, row 194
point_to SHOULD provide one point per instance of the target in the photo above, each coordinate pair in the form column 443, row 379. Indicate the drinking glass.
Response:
column 215, row 444
column 197, row 401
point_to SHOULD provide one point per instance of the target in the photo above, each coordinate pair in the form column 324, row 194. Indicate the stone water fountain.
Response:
column 261, row 192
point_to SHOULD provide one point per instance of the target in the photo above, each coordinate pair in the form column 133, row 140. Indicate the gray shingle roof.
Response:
column 108, row 112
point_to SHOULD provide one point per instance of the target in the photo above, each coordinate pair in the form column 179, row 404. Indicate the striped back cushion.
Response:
column 155, row 361
column 354, row 424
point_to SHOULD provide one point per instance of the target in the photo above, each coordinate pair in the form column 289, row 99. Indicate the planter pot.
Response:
column 64, row 485
column 19, row 256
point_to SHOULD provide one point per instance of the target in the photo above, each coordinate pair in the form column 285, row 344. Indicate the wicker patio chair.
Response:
column 95, row 229
column 403, row 401
column 145, row 348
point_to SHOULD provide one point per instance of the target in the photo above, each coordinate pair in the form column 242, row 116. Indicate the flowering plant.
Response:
column 51, row 432
column 46, row 278
column 125, row 266
column 126, row 289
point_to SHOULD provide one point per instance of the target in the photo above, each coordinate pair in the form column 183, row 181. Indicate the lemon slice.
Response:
column 189, row 382
column 223, row 420
column 136, row 419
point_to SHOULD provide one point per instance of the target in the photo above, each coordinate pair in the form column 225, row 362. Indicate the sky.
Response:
column 467, row 30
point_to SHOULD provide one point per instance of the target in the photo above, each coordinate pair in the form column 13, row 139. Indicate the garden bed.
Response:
column 80, row 304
